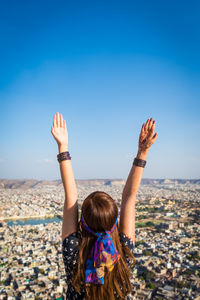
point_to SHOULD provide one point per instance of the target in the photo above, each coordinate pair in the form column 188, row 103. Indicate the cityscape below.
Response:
column 167, row 247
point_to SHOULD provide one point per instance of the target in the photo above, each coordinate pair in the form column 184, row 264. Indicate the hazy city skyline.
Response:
column 107, row 67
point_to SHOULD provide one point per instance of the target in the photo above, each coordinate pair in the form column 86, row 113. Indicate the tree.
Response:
column 139, row 242
column 151, row 285
column 189, row 272
column 150, row 224
column 148, row 275
column 147, row 253
column 141, row 278
column 181, row 284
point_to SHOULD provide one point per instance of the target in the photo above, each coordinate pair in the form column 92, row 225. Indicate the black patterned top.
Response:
column 70, row 251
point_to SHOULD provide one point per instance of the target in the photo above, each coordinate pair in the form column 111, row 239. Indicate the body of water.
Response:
column 33, row 221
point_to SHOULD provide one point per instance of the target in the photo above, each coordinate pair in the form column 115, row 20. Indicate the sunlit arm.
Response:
column 68, row 180
column 134, row 178
column 70, row 210
column 127, row 213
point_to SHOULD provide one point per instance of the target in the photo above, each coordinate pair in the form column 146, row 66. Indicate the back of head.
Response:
column 100, row 212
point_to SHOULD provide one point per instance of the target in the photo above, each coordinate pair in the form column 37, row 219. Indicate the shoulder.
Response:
column 71, row 241
column 125, row 240
column 70, row 247
column 70, row 254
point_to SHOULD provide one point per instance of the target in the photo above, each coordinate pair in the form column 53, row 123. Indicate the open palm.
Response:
column 147, row 136
column 59, row 129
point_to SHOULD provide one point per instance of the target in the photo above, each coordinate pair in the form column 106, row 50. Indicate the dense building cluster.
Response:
column 167, row 248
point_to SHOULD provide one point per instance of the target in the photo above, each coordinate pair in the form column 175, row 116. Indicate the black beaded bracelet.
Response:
column 63, row 156
column 139, row 162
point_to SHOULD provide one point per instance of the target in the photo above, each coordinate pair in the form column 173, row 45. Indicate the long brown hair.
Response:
column 100, row 212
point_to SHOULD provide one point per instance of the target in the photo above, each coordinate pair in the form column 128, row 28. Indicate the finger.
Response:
column 146, row 125
column 151, row 131
column 150, row 123
column 64, row 124
column 52, row 130
column 142, row 132
column 54, row 121
column 61, row 120
column 143, row 126
column 57, row 120
column 155, row 137
column 142, row 129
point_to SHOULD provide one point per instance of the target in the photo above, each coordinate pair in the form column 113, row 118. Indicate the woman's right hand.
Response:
column 147, row 136
column 59, row 130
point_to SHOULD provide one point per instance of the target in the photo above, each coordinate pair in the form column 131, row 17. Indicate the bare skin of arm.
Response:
column 127, row 212
column 70, row 209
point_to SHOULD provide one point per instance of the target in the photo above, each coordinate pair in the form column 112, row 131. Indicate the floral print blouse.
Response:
column 70, row 252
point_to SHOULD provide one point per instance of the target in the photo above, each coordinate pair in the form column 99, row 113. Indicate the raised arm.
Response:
column 70, row 210
column 127, row 212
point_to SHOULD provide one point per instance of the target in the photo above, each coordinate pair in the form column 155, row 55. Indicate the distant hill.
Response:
column 33, row 183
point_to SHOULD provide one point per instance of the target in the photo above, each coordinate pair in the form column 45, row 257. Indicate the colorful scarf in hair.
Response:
column 103, row 254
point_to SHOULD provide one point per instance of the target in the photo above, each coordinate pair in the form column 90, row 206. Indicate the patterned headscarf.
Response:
column 103, row 254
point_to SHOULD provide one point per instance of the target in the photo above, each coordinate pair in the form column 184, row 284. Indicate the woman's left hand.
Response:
column 59, row 130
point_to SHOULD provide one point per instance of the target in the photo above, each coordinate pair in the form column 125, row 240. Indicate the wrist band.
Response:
column 139, row 162
column 63, row 156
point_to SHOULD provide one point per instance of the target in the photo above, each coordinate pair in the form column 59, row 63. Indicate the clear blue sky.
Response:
column 107, row 66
